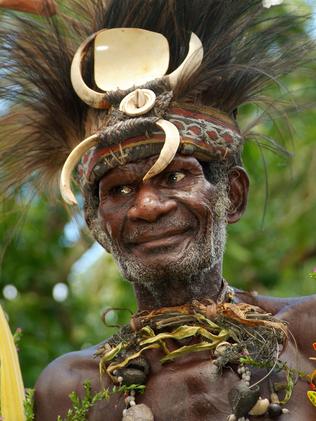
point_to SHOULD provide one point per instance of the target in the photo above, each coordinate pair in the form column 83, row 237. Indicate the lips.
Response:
column 152, row 237
column 159, row 239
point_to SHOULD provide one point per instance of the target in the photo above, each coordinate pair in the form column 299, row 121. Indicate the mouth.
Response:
column 161, row 240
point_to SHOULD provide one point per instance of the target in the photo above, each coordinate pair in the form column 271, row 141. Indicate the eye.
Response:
column 122, row 190
column 175, row 177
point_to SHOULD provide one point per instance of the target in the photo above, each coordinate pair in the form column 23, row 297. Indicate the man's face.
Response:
column 164, row 228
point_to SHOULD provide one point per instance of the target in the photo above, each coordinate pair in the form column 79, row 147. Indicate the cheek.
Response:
column 207, row 201
column 200, row 200
column 110, row 219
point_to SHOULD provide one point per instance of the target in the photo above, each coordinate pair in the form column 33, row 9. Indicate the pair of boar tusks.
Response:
column 167, row 153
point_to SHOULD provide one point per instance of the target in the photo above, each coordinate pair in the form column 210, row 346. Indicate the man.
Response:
column 158, row 235
column 157, row 154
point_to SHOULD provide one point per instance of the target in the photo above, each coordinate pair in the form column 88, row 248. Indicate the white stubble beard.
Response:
column 202, row 253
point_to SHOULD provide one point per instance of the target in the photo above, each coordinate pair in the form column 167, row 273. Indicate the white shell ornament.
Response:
column 221, row 348
column 138, row 413
column 260, row 407
column 138, row 102
column 126, row 57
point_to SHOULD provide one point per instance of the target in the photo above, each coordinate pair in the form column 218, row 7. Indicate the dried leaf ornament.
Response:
column 312, row 396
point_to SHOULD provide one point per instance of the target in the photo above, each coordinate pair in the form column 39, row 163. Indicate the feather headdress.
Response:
column 246, row 48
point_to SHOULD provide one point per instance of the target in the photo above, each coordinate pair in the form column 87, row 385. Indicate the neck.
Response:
column 207, row 284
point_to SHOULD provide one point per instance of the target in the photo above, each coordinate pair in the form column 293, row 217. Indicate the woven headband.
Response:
column 205, row 133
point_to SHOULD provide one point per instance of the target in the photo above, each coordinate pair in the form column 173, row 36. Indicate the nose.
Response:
column 149, row 205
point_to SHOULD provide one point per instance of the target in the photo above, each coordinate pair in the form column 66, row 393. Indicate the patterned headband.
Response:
column 205, row 132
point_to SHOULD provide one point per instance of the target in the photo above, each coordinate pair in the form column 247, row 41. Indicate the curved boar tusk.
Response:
column 88, row 95
column 168, row 151
column 69, row 165
column 191, row 62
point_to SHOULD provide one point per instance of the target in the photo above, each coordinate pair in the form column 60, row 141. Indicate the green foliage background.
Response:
column 271, row 251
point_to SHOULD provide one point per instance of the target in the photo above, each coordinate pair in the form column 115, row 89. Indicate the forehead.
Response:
column 137, row 169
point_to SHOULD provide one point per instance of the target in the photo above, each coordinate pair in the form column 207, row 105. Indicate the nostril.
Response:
column 150, row 209
column 149, row 204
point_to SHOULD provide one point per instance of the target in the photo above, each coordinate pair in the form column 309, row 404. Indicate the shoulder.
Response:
column 64, row 375
column 298, row 312
column 276, row 305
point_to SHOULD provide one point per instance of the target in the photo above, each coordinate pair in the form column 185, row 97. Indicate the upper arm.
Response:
column 52, row 390
column 301, row 317
column 64, row 375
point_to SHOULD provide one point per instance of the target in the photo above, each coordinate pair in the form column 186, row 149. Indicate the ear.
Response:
column 238, row 186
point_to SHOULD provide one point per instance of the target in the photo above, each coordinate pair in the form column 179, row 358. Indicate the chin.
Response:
column 178, row 261
column 164, row 267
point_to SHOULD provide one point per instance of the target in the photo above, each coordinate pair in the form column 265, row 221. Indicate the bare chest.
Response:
column 194, row 390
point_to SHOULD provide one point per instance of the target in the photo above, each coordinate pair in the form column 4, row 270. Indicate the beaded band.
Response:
column 206, row 133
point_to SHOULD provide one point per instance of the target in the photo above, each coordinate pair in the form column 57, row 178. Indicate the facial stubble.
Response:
column 205, row 251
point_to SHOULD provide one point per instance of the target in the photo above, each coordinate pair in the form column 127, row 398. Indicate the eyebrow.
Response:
column 131, row 168
column 121, row 173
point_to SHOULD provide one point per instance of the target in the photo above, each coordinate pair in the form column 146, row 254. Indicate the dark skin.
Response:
column 136, row 215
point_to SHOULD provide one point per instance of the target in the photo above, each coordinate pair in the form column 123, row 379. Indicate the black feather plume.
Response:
column 246, row 48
